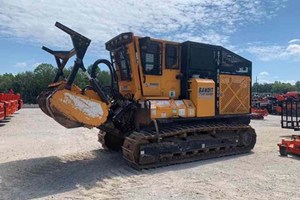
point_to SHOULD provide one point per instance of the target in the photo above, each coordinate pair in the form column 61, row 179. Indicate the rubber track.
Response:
column 131, row 147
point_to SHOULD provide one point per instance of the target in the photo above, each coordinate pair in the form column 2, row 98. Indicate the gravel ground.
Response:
column 39, row 159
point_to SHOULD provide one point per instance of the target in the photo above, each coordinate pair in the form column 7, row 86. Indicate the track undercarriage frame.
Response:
column 187, row 141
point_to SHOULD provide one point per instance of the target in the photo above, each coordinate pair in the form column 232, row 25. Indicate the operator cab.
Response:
column 146, row 68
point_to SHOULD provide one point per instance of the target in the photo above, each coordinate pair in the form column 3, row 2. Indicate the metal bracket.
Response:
column 156, row 130
column 61, row 58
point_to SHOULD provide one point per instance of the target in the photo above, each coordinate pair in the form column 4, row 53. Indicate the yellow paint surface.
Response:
column 202, row 94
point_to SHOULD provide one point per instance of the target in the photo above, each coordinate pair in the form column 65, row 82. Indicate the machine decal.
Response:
column 163, row 115
column 206, row 92
column 181, row 112
column 243, row 70
column 152, row 84
column 172, row 93
column 125, row 88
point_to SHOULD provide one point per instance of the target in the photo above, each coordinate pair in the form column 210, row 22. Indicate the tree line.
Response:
column 276, row 88
column 31, row 83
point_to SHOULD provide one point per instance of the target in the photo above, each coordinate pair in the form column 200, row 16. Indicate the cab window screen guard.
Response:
column 151, row 58
column 122, row 64
column 171, row 56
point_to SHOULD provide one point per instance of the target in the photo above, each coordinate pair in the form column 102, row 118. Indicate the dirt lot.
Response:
column 40, row 159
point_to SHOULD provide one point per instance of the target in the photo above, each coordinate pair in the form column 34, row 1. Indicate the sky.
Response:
column 266, row 32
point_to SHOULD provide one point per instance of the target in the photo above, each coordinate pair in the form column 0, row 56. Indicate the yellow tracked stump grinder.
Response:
column 167, row 102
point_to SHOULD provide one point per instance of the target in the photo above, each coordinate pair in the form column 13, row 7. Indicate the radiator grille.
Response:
column 234, row 94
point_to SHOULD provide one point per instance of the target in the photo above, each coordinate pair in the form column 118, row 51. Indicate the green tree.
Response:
column 255, row 87
column 282, row 88
column 297, row 86
column 26, row 85
column 6, row 82
column 266, row 87
column 44, row 74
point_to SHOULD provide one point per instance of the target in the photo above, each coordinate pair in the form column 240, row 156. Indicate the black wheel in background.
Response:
column 283, row 151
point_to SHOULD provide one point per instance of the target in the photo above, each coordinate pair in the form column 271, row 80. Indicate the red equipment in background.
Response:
column 257, row 113
column 290, row 146
column 9, row 103
column 294, row 95
column 2, row 111
column 273, row 103
column 290, row 119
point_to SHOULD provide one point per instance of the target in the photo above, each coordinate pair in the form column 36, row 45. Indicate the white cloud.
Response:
column 263, row 77
column 200, row 20
column 272, row 80
column 264, row 73
column 275, row 52
column 21, row 64
column 36, row 64
column 293, row 50
column 263, row 81
column 294, row 41
column 293, row 82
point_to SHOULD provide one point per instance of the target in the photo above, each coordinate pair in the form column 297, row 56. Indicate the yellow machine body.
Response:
column 162, row 88
column 165, row 87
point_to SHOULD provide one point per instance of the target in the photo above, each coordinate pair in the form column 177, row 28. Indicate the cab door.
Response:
column 151, row 60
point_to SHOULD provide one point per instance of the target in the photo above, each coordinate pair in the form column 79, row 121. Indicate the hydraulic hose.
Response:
column 110, row 67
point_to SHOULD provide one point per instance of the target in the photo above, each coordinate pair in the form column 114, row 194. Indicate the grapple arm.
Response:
column 65, row 102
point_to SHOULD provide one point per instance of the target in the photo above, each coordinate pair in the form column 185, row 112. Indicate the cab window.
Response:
column 151, row 58
column 121, row 61
column 171, row 57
